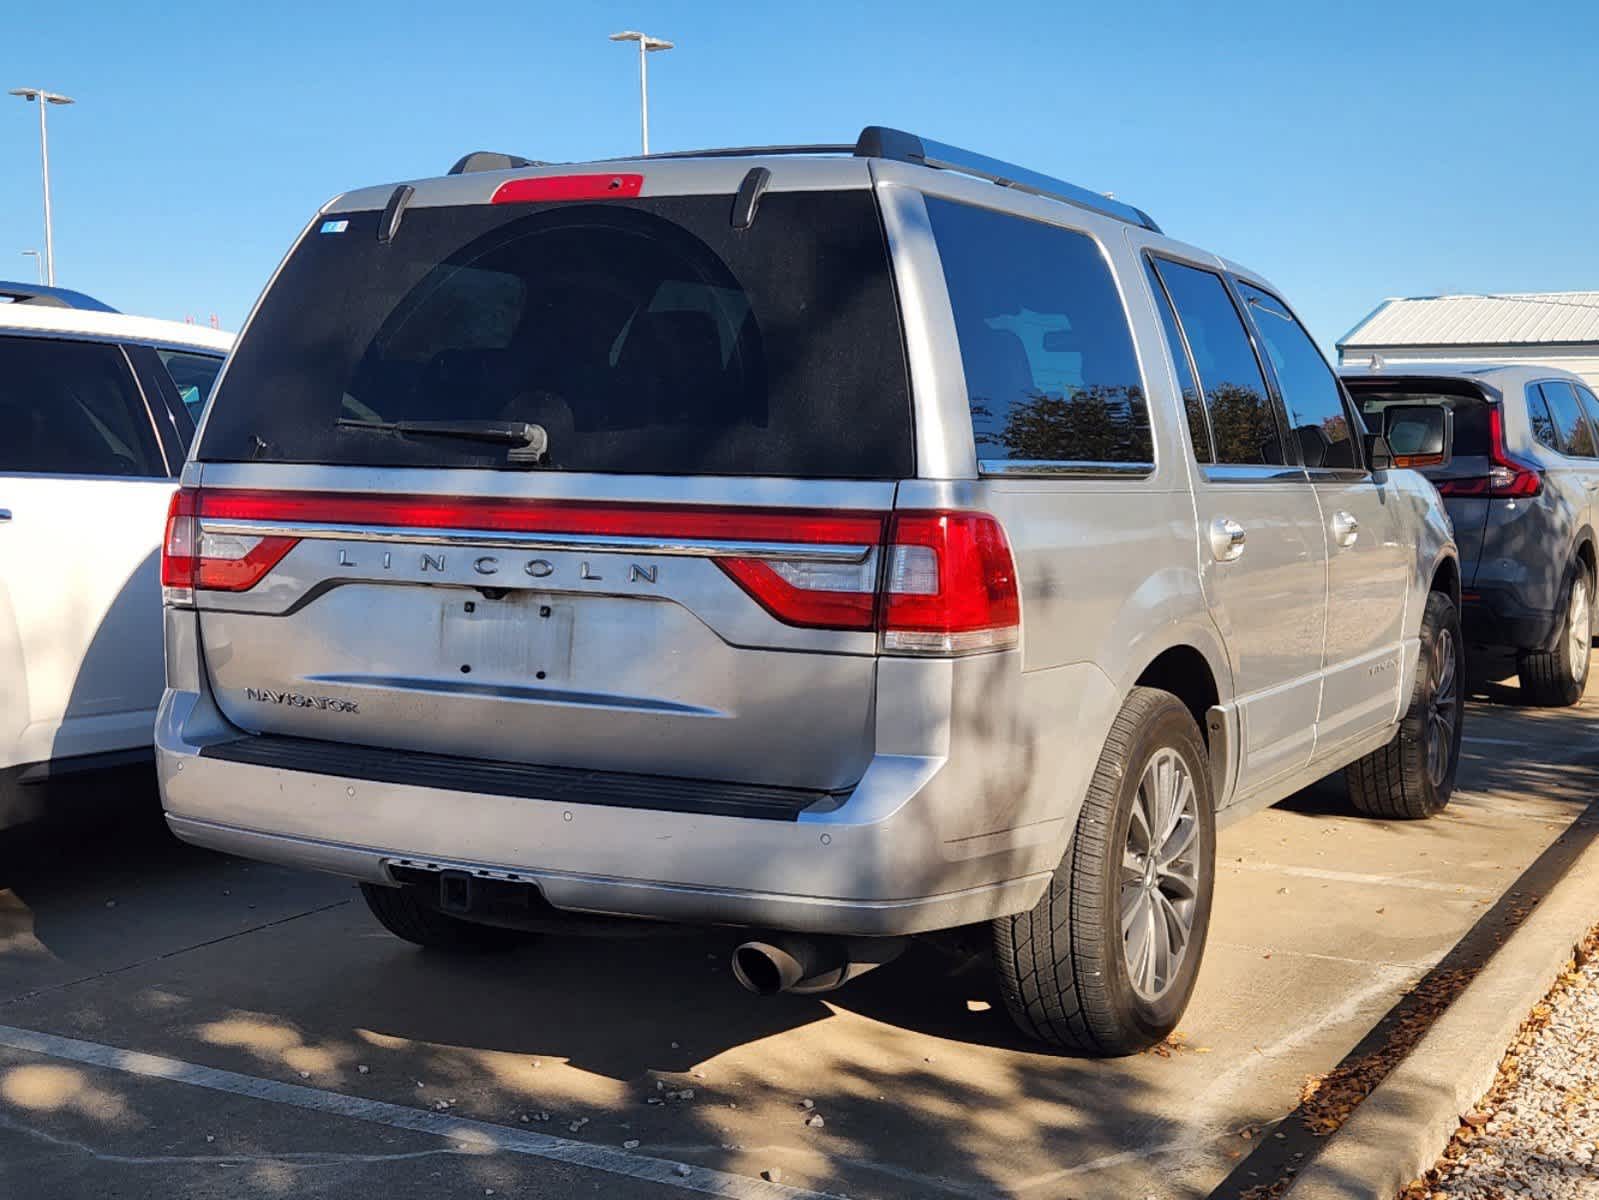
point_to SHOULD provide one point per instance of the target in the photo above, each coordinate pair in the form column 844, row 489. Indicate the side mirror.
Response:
column 1378, row 456
column 1419, row 435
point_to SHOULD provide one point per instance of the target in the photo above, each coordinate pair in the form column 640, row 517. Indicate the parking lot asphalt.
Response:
column 176, row 1023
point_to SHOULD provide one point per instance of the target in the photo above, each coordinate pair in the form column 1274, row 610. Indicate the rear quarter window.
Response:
column 1051, row 374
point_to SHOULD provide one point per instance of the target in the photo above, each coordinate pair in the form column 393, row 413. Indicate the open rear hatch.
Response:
column 599, row 484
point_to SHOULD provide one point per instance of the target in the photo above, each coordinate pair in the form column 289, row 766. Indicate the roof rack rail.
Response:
column 491, row 160
column 876, row 141
column 754, row 151
column 50, row 297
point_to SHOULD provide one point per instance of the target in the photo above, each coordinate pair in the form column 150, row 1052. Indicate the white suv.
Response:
column 97, row 411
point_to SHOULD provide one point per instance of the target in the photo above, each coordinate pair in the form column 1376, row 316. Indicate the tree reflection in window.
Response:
column 1099, row 423
column 1242, row 425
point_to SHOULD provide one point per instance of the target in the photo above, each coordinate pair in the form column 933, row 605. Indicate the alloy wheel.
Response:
column 1579, row 632
column 1160, row 875
column 1444, row 710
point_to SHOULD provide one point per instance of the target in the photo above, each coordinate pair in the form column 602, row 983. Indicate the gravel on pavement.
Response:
column 1536, row 1133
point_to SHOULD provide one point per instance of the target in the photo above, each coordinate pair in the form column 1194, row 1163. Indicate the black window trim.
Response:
column 42, row 335
column 1351, row 412
column 1153, row 278
column 175, row 426
column 1237, row 473
column 1067, row 468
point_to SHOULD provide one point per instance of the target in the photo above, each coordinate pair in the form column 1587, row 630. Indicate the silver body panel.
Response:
column 959, row 780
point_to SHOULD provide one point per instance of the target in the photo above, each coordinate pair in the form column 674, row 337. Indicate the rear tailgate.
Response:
column 683, row 586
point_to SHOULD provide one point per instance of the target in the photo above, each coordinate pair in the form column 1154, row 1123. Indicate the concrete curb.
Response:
column 1399, row 1130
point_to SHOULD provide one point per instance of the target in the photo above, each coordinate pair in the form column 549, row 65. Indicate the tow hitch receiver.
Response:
column 456, row 892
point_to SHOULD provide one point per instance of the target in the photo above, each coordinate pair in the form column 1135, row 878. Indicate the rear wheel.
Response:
column 1413, row 775
column 1105, row 962
column 1558, row 677
column 406, row 915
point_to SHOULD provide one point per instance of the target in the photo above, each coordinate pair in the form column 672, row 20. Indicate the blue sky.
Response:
column 1349, row 151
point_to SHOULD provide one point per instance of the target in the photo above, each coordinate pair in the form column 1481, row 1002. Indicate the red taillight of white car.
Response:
column 927, row 582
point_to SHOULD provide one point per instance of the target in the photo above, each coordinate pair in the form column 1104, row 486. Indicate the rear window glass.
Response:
column 645, row 337
column 1471, row 415
column 1050, row 369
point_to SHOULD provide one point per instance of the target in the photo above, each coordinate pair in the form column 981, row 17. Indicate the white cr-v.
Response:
column 97, row 410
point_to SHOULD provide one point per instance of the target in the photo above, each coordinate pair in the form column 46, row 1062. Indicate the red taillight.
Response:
column 567, row 187
column 944, row 583
column 177, row 549
column 1508, row 478
column 928, row 582
column 211, row 561
column 949, row 585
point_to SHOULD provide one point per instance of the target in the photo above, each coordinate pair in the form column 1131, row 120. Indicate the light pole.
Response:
column 37, row 261
column 646, row 46
column 44, row 98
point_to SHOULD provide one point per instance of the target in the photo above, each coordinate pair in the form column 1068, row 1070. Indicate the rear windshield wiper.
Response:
column 528, row 442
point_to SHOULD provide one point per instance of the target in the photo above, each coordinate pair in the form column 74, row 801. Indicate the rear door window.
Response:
column 1311, row 393
column 73, row 408
column 193, row 375
column 1051, row 374
column 1576, row 436
column 1242, row 420
column 645, row 336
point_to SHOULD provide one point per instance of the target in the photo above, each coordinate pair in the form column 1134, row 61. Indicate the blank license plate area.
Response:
column 517, row 638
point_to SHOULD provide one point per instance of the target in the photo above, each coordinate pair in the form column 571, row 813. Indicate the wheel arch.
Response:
column 1184, row 671
column 1583, row 552
column 1196, row 671
column 1446, row 578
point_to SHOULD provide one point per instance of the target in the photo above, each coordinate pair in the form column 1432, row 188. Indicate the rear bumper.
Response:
column 1495, row 616
column 879, row 863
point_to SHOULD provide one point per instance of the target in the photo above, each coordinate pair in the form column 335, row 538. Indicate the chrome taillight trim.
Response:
column 507, row 540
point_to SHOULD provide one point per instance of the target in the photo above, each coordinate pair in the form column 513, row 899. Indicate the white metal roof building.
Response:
column 1558, row 329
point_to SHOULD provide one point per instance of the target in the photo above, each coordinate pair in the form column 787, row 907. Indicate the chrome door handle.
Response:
column 1345, row 528
column 1226, row 539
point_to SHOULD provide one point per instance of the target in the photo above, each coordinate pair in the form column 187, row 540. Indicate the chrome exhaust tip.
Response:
column 806, row 966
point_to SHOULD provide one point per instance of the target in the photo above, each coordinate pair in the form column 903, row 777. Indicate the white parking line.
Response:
column 480, row 1137
column 1399, row 881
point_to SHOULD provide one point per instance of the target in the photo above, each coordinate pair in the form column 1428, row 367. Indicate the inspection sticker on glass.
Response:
column 335, row 226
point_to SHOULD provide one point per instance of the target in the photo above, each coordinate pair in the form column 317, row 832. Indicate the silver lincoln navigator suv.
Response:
column 823, row 541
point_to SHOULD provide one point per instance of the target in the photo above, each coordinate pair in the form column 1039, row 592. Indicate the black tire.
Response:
column 1064, row 967
column 1404, row 780
column 1557, row 678
column 403, row 913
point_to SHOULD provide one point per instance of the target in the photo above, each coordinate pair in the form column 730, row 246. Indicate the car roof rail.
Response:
column 50, row 297
column 749, row 151
column 876, row 141
column 491, row 160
